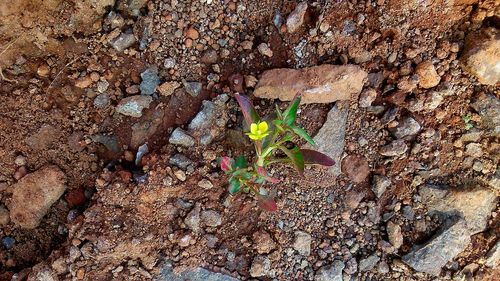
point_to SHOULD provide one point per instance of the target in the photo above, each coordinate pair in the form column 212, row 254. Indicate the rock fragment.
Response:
column 133, row 106
column 123, row 41
column 296, row 18
column 356, row 168
column 34, row 194
column 428, row 76
column 180, row 137
column 330, row 138
column 481, row 56
column 464, row 213
column 332, row 272
column 302, row 243
column 150, row 80
column 318, row 84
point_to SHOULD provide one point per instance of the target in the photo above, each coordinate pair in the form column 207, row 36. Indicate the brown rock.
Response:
column 167, row 88
column 318, row 84
column 263, row 242
column 192, row 33
column 428, row 76
column 34, row 194
column 296, row 18
column 356, row 168
column 481, row 55
column 83, row 82
column 395, row 235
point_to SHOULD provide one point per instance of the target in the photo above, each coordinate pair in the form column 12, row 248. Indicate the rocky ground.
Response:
column 113, row 114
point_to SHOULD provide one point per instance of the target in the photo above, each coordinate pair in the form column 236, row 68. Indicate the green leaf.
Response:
column 241, row 162
column 296, row 156
column 290, row 113
column 302, row 133
column 234, row 186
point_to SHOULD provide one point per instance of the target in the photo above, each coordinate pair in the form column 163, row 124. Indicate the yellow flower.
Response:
column 258, row 131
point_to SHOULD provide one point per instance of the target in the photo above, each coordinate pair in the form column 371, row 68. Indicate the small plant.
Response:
column 273, row 144
column 467, row 120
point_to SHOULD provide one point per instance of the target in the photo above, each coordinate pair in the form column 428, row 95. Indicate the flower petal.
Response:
column 263, row 127
column 253, row 128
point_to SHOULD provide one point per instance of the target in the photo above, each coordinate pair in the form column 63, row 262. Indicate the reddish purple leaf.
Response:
column 314, row 157
column 263, row 173
column 225, row 164
column 267, row 203
column 247, row 109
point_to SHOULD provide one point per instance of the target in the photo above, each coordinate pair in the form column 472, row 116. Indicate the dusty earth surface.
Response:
column 113, row 113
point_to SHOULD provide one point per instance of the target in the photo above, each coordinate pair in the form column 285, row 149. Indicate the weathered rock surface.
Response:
column 260, row 266
column 331, row 272
column 296, row 18
column 196, row 274
column 428, row 76
column 464, row 213
column 395, row 235
column 34, row 194
column 133, row 106
column 406, row 127
column 481, row 56
column 330, row 139
column 488, row 107
column 302, row 243
column 318, row 84
column 356, row 168
column 263, row 241
column 210, row 121
column 380, row 184
column 493, row 256
column 368, row 263
column 123, row 41
column 180, row 137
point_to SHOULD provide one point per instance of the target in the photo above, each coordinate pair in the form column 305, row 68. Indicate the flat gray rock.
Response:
column 196, row 274
column 464, row 213
column 330, row 138
column 331, row 272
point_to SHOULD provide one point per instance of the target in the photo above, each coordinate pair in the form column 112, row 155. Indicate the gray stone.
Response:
column 196, row 274
column 123, row 41
column 302, row 243
column 368, row 263
column 367, row 97
column 180, row 137
column 210, row 121
column 407, row 127
column 102, row 101
column 260, row 266
column 180, row 160
column 150, row 80
column 211, row 218
column 380, row 184
column 488, row 107
column 169, row 63
column 331, row 272
column 133, row 106
column 395, row 148
column 193, row 88
column 109, row 141
column 493, row 256
column 330, row 138
column 351, row 266
column 464, row 213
